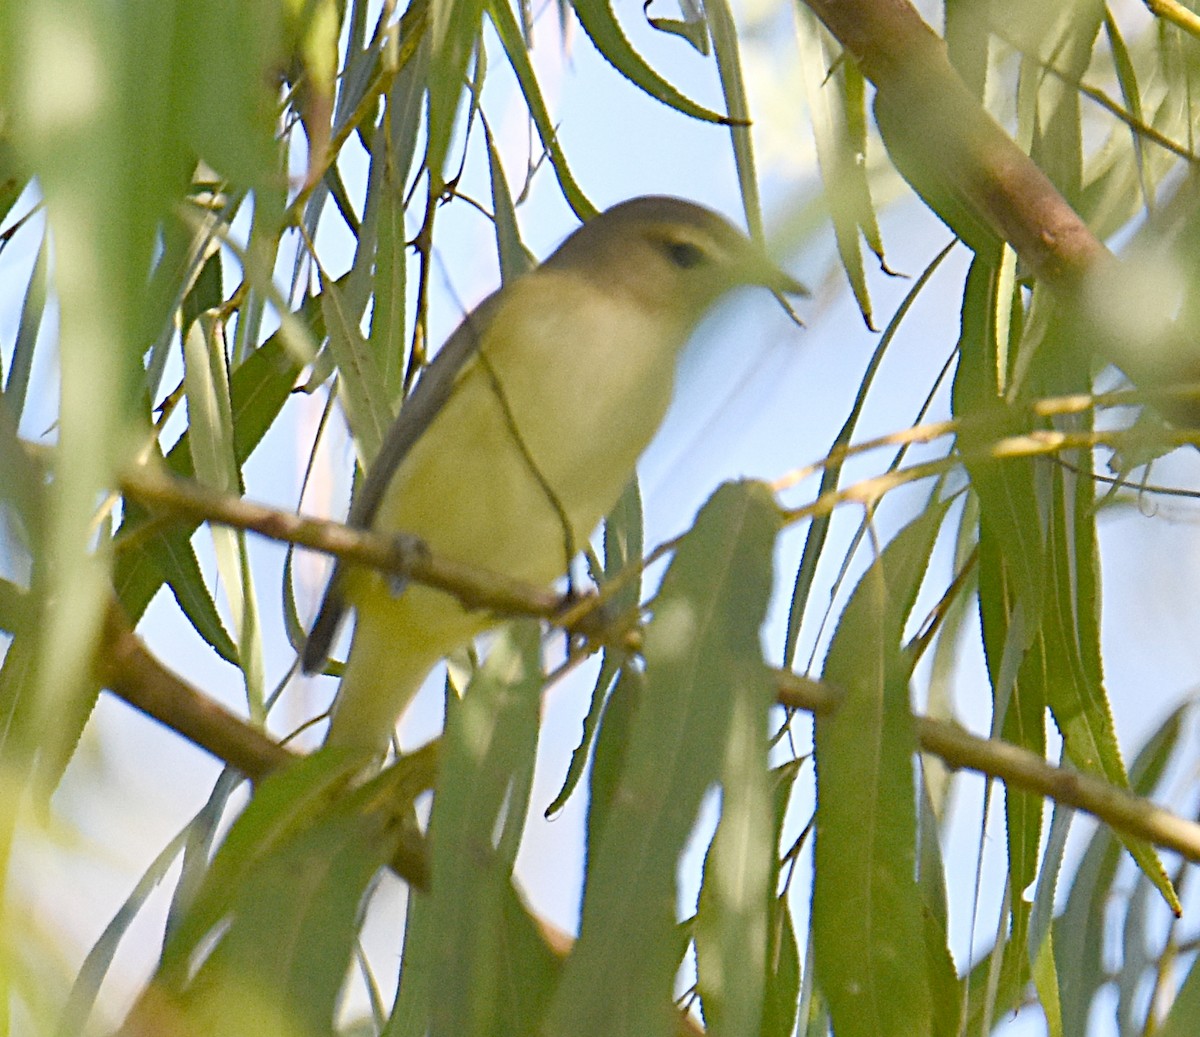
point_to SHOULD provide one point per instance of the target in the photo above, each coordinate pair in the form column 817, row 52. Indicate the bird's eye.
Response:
column 684, row 255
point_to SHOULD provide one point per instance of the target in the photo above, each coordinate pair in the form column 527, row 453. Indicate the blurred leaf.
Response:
column 361, row 388
column 285, row 804
column 1130, row 91
column 225, row 54
column 32, row 311
column 703, row 639
column 1079, row 932
column 478, row 816
column 782, row 987
column 867, row 913
column 731, row 930
column 967, row 36
column 1058, row 139
column 600, row 23
column 514, row 257
column 509, row 31
column 834, row 88
column 454, row 32
column 282, row 961
column 733, row 87
column 1185, row 1007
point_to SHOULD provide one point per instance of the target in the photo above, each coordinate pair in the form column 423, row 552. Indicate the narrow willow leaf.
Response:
column 591, row 723
column 731, row 927
column 361, row 388
column 281, row 963
column 395, row 154
column 32, row 309
column 1046, row 981
column 1058, row 144
column 505, row 23
column 514, row 257
column 967, row 35
column 1079, row 931
column 818, row 530
column 703, row 657
column 842, row 164
column 729, row 65
column 283, row 805
column 1132, row 94
column 612, row 750
column 479, row 806
column 624, row 537
column 454, row 32
column 782, row 989
column 224, row 54
column 1185, row 1009
column 867, row 914
column 259, row 386
column 174, row 561
column 599, row 21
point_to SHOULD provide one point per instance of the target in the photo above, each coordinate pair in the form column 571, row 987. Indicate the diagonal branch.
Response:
column 968, row 170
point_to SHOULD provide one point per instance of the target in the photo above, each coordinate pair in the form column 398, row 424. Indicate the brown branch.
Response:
column 128, row 669
column 403, row 555
column 958, row 159
column 1019, row 768
column 1128, row 813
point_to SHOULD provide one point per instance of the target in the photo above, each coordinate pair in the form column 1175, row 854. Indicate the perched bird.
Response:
column 522, row 433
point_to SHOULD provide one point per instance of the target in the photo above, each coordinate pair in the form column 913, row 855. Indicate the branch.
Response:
column 1128, row 813
column 1019, row 768
column 400, row 554
column 958, row 159
column 130, row 671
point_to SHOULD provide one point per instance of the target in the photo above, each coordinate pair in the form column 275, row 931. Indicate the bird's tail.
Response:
column 388, row 664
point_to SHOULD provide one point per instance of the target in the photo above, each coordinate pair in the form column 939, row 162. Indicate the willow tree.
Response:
column 217, row 214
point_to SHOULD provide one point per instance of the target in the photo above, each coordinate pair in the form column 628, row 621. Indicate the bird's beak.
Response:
column 762, row 270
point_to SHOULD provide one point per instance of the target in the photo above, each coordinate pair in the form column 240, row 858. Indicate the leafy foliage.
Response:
column 214, row 211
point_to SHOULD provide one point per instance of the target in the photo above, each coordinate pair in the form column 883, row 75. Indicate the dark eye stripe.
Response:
column 685, row 255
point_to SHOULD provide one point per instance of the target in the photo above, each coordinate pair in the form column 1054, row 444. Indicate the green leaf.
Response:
column 600, row 23
column 479, row 813
column 32, row 309
column 731, row 929
column 782, row 987
column 514, row 257
column 279, row 967
column 818, row 530
column 259, row 386
column 867, row 912
column 506, row 26
column 361, row 387
column 1079, row 932
column 834, row 89
column 224, row 103
column 454, row 32
column 729, row 65
column 283, row 805
column 703, row 663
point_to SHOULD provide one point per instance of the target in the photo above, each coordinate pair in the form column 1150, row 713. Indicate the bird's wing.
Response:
column 416, row 414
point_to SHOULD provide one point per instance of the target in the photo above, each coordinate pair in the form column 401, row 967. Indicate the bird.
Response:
column 521, row 434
